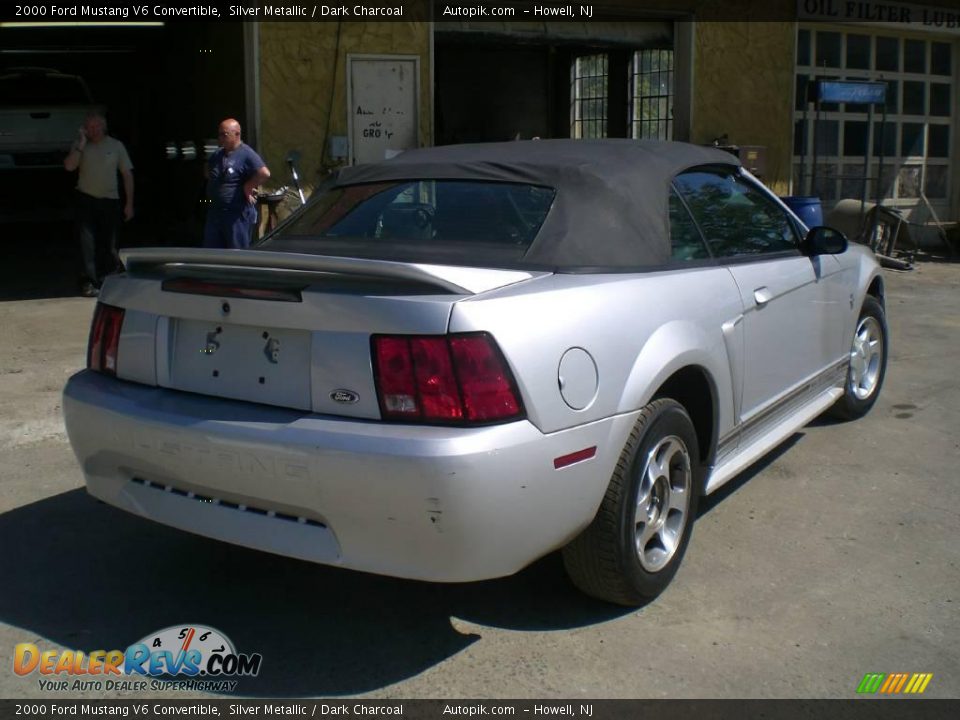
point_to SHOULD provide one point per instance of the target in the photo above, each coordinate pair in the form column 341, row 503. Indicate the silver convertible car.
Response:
column 452, row 363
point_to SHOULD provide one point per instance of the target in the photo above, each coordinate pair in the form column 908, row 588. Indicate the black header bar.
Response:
column 42, row 13
column 864, row 709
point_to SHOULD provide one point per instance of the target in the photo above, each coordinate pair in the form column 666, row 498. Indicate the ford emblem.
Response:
column 348, row 397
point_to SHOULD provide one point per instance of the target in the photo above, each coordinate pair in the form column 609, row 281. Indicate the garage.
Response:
column 506, row 81
column 904, row 152
column 164, row 86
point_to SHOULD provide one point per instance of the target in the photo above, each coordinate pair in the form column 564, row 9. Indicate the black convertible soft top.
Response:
column 611, row 207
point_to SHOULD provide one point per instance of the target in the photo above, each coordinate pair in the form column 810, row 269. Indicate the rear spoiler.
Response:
column 450, row 279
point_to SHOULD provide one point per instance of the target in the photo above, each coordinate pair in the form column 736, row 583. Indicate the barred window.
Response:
column 917, row 140
column 588, row 96
column 651, row 102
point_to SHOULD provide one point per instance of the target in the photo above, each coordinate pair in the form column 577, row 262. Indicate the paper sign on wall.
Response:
column 382, row 95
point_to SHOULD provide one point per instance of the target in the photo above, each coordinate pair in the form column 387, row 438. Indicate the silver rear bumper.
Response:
column 431, row 503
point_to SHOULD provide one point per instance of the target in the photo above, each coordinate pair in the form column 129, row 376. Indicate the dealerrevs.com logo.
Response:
column 186, row 657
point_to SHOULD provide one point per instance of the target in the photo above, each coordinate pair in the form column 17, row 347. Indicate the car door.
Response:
column 787, row 337
column 690, row 250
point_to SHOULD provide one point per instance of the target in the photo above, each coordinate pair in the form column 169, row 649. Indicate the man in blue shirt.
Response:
column 233, row 174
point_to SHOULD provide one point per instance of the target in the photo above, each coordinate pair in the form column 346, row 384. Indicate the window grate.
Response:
column 651, row 102
column 917, row 140
column 588, row 96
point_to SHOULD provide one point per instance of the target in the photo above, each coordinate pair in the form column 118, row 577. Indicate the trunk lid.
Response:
column 278, row 328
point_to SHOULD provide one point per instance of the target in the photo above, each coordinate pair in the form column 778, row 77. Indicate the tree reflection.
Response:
column 734, row 218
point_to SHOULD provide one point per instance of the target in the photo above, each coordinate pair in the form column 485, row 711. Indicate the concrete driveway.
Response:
column 836, row 556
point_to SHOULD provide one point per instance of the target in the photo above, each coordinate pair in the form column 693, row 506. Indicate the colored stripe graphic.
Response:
column 900, row 682
column 894, row 683
column 871, row 683
column 889, row 683
column 918, row 683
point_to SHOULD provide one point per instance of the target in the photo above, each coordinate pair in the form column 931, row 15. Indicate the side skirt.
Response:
column 760, row 437
column 771, row 438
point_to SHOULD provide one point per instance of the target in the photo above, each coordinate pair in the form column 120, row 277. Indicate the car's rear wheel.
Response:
column 632, row 549
column 868, row 362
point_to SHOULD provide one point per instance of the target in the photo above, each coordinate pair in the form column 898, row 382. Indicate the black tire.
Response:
column 857, row 398
column 604, row 560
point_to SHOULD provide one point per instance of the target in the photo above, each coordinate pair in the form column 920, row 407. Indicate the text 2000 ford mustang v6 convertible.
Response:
column 454, row 362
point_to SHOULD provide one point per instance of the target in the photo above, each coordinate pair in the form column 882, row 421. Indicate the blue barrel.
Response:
column 807, row 209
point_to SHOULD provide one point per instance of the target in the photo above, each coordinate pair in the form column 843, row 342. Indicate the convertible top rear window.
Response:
column 422, row 221
column 561, row 205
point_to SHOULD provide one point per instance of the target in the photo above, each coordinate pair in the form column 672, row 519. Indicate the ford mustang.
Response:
column 451, row 363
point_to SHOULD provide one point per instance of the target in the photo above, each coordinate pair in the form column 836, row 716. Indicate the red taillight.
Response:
column 396, row 387
column 104, row 339
column 444, row 379
column 488, row 392
column 436, row 384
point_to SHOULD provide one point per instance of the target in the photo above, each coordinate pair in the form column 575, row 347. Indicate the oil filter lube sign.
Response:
column 877, row 12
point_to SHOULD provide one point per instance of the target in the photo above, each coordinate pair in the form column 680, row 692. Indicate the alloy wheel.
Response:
column 866, row 358
column 663, row 503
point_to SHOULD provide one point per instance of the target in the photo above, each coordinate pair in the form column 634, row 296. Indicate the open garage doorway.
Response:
column 165, row 88
column 553, row 80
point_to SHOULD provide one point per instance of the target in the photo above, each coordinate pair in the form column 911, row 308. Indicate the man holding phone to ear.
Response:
column 99, row 158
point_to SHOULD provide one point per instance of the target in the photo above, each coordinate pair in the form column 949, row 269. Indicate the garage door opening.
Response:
column 161, row 86
column 511, row 85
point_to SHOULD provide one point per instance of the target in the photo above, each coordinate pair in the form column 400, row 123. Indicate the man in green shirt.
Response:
column 99, row 158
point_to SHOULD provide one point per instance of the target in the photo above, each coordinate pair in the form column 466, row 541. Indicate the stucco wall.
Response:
column 742, row 82
column 300, row 64
column 743, row 79
column 743, row 87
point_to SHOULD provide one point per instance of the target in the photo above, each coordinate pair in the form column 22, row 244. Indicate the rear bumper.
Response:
column 431, row 503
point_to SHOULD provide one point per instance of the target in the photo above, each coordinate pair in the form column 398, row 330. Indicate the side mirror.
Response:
column 824, row 240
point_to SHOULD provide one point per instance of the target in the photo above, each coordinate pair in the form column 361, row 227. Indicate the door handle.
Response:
column 762, row 295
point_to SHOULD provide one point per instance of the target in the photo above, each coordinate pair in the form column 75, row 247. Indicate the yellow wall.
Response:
column 742, row 75
column 742, row 82
column 743, row 87
column 298, row 64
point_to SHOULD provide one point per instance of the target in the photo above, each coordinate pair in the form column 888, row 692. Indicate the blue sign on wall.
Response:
column 865, row 93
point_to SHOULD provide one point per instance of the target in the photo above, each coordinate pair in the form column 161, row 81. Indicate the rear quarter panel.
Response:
column 638, row 328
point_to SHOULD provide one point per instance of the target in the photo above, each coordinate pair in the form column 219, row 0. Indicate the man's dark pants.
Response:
column 229, row 227
column 97, row 220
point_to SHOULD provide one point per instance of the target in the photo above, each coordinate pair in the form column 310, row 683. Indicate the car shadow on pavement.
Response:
column 87, row 576
column 711, row 501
